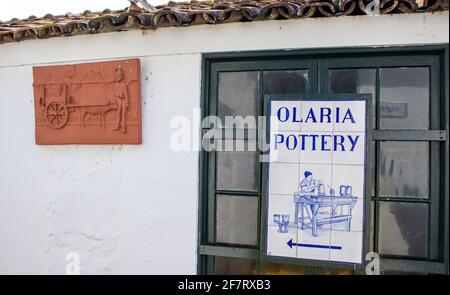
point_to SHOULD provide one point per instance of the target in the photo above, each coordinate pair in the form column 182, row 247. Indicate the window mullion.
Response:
column 211, row 198
column 402, row 199
column 376, row 234
column 409, row 135
column 434, row 222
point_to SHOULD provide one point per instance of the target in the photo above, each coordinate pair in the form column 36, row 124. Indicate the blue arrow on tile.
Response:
column 290, row 244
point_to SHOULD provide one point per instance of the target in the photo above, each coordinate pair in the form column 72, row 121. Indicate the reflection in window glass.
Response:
column 233, row 145
column 285, row 82
column 234, row 266
column 238, row 94
column 361, row 81
column 237, row 220
column 237, row 171
column 282, row 269
column 404, row 96
column 403, row 229
column 404, row 169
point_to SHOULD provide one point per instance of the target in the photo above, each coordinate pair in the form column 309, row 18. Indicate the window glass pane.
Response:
column 238, row 94
column 237, row 171
column 234, row 266
column 404, row 169
column 282, row 269
column 232, row 145
column 236, row 220
column 404, row 96
column 354, row 81
column 285, row 82
column 403, row 229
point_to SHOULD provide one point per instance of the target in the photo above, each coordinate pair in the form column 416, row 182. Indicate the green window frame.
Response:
column 318, row 62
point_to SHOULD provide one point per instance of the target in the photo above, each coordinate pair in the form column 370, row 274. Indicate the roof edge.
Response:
column 181, row 14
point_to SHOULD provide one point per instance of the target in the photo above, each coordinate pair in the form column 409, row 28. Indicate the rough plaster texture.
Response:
column 133, row 209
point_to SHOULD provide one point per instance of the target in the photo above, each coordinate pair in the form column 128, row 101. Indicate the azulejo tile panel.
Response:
column 283, row 147
column 320, row 192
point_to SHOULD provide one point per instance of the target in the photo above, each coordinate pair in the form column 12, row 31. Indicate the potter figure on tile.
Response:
column 122, row 100
column 308, row 185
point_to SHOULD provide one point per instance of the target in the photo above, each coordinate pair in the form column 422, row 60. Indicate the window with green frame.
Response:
column 409, row 161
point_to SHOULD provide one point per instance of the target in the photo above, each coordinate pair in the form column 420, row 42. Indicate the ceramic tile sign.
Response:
column 89, row 103
column 315, row 201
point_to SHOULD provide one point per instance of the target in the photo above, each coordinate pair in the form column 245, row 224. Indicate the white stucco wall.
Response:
column 133, row 209
column 124, row 208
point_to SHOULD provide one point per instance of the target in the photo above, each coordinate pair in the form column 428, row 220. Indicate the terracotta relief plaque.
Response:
column 90, row 103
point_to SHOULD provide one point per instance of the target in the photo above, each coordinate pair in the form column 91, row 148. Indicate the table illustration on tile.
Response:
column 315, row 208
column 88, row 103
